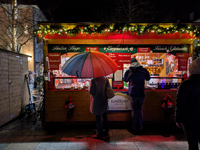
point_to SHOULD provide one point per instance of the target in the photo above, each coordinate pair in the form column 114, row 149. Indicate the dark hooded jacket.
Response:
column 188, row 101
column 136, row 76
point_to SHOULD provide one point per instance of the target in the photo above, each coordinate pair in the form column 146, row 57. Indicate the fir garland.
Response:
column 117, row 28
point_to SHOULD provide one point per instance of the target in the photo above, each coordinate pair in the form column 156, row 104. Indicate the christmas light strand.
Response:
column 117, row 28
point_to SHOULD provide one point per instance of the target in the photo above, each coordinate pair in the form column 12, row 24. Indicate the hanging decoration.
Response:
column 117, row 28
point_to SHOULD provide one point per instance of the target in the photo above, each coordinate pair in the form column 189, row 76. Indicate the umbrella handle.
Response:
column 77, row 73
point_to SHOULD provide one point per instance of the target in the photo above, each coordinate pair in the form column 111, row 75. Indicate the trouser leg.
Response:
column 137, row 117
column 134, row 112
column 192, row 137
column 139, row 110
column 99, row 126
column 106, row 123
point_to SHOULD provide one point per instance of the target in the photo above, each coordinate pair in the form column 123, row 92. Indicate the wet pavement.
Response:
column 29, row 133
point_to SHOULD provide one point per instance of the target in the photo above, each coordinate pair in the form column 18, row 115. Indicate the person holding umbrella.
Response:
column 94, row 65
column 99, row 105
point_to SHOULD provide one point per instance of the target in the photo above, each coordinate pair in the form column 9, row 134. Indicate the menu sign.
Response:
column 120, row 58
column 119, row 102
column 143, row 49
column 182, row 61
column 54, row 60
column 118, row 84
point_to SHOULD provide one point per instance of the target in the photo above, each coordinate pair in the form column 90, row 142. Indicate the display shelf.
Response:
column 71, row 83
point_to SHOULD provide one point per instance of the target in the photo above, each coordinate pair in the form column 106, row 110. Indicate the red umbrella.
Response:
column 89, row 65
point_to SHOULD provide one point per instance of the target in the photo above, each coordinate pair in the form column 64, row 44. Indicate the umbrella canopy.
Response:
column 89, row 65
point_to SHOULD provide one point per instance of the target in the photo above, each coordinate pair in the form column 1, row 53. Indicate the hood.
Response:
column 134, row 65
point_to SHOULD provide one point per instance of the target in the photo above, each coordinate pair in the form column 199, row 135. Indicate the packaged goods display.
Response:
column 71, row 83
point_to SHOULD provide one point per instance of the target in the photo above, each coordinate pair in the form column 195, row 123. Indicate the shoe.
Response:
column 106, row 134
column 140, row 132
column 97, row 137
column 133, row 131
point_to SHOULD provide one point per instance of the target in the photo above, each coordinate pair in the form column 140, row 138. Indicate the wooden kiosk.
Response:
column 155, row 46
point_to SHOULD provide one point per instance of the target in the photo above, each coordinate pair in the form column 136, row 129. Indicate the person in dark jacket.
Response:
column 187, row 113
column 136, row 76
column 99, row 105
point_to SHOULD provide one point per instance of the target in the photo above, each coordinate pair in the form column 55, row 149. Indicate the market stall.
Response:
column 165, row 50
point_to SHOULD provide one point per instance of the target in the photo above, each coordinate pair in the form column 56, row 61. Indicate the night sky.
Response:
column 99, row 10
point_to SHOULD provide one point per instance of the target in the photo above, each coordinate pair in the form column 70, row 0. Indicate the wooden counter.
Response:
column 56, row 112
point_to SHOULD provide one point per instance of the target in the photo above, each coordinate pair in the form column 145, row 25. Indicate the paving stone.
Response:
column 52, row 146
column 68, row 132
column 120, row 131
column 77, row 146
column 151, row 146
column 47, row 138
column 180, row 145
column 106, row 146
column 37, row 132
column 155, row 138
column 74, row 139
column 3, row 145
column 21, row 146
column 134, row 138
column 29, row 138
column 180, row 137
column 113, row 138
column 12, row 139
column 4, row 133
column 126, row 145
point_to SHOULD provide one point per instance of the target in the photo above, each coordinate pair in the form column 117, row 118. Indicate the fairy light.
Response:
column 193, row 31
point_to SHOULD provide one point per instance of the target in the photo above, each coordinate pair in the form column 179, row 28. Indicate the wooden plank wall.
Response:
column 14, row 95
column 4, row 90
column 56, row 112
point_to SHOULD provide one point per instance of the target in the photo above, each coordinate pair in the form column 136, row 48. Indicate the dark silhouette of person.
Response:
column 136, row 76
column 187, row 112
column 99, row 105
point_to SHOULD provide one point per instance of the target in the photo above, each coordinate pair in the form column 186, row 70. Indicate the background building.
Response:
column 16, row 30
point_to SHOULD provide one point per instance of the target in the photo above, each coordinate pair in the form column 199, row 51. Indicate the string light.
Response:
column 138, row 29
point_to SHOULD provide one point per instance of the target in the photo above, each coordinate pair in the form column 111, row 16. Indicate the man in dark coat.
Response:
column 187, row 114
column 136, row 76
column 99, row 105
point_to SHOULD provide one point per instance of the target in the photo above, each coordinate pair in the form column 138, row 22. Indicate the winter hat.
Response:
column 133, row 60
column 194, row 67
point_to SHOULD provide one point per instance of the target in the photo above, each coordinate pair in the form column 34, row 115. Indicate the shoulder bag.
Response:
column 109, row 91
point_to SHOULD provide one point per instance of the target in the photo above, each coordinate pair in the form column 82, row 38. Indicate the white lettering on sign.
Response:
column 53, row 55
column 118, row 48
column 52, row 60
column 127, row 61
column 123, row 55
column 171, row 48
column 111, row 55
column 70, row 48
column 58, row 48
column 119, row 102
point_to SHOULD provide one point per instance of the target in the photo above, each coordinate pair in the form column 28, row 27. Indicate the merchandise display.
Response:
column 69, row 83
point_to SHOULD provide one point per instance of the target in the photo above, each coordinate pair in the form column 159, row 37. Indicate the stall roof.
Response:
column 135, row 33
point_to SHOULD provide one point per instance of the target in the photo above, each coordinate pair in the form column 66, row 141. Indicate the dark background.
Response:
column 106, row 10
